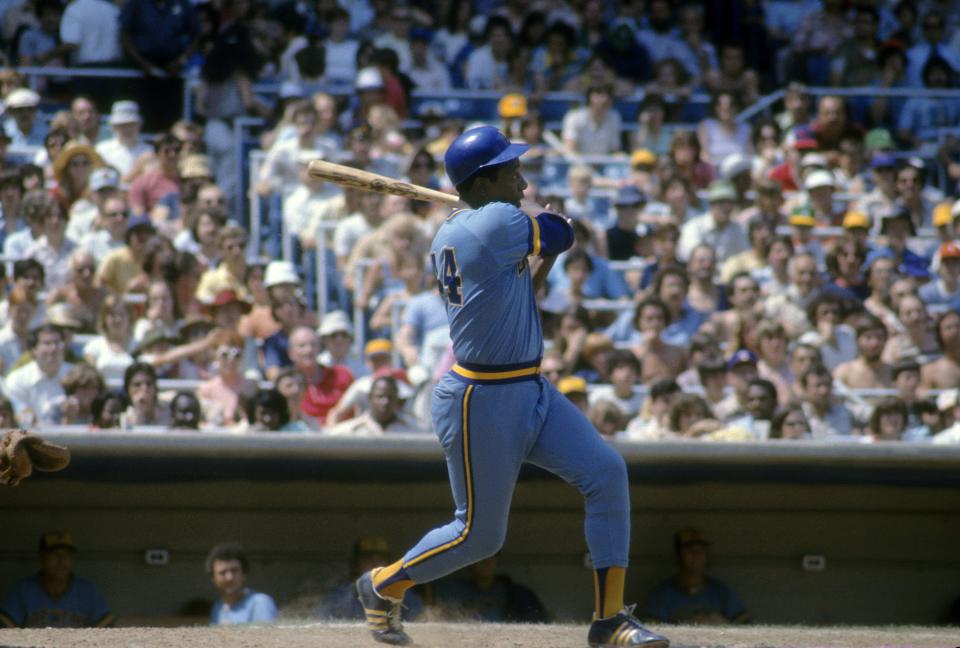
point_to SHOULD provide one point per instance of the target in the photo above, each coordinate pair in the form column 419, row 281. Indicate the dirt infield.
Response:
column 451, row 635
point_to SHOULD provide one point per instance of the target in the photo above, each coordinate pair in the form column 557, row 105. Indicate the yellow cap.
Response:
column 803, row 220
column 856, row 219
column 943, row 214
column 571, row 385
column 643, row 156
column 512, row 105
column 374, row 347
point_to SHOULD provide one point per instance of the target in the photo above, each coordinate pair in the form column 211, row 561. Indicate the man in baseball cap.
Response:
column 944, row 291
column 55, row 596
column 575, row 389
column 622, row 236
column 741, row 369
column 690, row 596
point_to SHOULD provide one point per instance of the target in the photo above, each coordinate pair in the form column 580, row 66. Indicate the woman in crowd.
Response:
column 221, row 395
column 918, row 339
column 53, row 248
column 141, row 391
column 291, row 384
column 686, row 160
column 790, row 423
column 110, row 352
column 888, row 421
column 721, row 135
column 72, row 168
column 773, row 364
column 160, row 312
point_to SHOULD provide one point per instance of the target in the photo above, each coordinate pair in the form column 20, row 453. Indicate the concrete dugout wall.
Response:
column 885, row 518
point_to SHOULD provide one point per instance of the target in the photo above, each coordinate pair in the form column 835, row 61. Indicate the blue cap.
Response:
column 629, row 196
column 139, row 221
column 883, row 161
column 873, row 255
column 742, row 356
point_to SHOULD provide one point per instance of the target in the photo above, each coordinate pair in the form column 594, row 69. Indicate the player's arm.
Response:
column 552, row 234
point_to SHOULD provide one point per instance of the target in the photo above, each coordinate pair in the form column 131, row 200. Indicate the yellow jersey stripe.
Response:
column 536, row 235
column 469, row 477
column 494, row 375
column 454, row 213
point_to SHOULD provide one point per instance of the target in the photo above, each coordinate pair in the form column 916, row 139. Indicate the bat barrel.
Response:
column 366, row 181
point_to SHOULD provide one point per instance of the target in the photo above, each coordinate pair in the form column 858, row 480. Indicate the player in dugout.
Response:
column 492, row 412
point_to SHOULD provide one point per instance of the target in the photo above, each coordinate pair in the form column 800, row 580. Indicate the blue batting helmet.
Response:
column 477, row 148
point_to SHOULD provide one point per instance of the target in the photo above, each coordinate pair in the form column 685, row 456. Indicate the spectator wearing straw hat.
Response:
column 121, row 150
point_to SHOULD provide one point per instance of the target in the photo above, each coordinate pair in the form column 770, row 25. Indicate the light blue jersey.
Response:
column 254, row 607
column 480, row 259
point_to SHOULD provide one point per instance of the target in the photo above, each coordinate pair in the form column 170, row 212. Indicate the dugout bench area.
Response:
column 878, row 524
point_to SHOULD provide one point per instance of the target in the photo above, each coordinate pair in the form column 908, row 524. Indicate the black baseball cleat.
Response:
column 623, row 629
column 383, row 615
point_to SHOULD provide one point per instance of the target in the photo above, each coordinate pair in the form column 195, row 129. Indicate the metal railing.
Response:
column 33, row 74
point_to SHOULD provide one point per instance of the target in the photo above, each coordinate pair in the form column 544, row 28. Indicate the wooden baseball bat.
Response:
column 367, row 181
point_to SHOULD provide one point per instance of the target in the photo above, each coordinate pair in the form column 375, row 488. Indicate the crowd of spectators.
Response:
column 796, row 276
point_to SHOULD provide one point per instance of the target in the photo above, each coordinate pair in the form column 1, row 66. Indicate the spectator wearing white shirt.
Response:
column 488, row 65
column 341, row 50
column 35, row 386
column 300, row 205
column 123, row 149
column 15, row 335
column 934, row 45
column 624, row 372
column 715, row 228
column 426, row 71
column 280, row 168
column 593, row 129
column 397, row 37
column 90, row 29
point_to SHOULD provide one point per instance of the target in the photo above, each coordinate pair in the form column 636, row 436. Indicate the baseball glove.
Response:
column 21, row 452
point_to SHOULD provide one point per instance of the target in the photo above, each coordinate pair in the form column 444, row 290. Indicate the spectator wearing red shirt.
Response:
column 161, row 183
column 325, row 385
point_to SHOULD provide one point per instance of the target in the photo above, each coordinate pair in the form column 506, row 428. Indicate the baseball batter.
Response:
column 493, row 411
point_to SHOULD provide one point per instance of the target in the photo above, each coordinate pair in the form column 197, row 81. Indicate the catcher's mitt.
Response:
column 21, row 452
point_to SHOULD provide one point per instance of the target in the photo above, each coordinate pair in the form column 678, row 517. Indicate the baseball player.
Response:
column 493, row 411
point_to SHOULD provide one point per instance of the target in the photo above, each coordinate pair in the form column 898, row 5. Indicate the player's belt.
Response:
column 496, row 374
